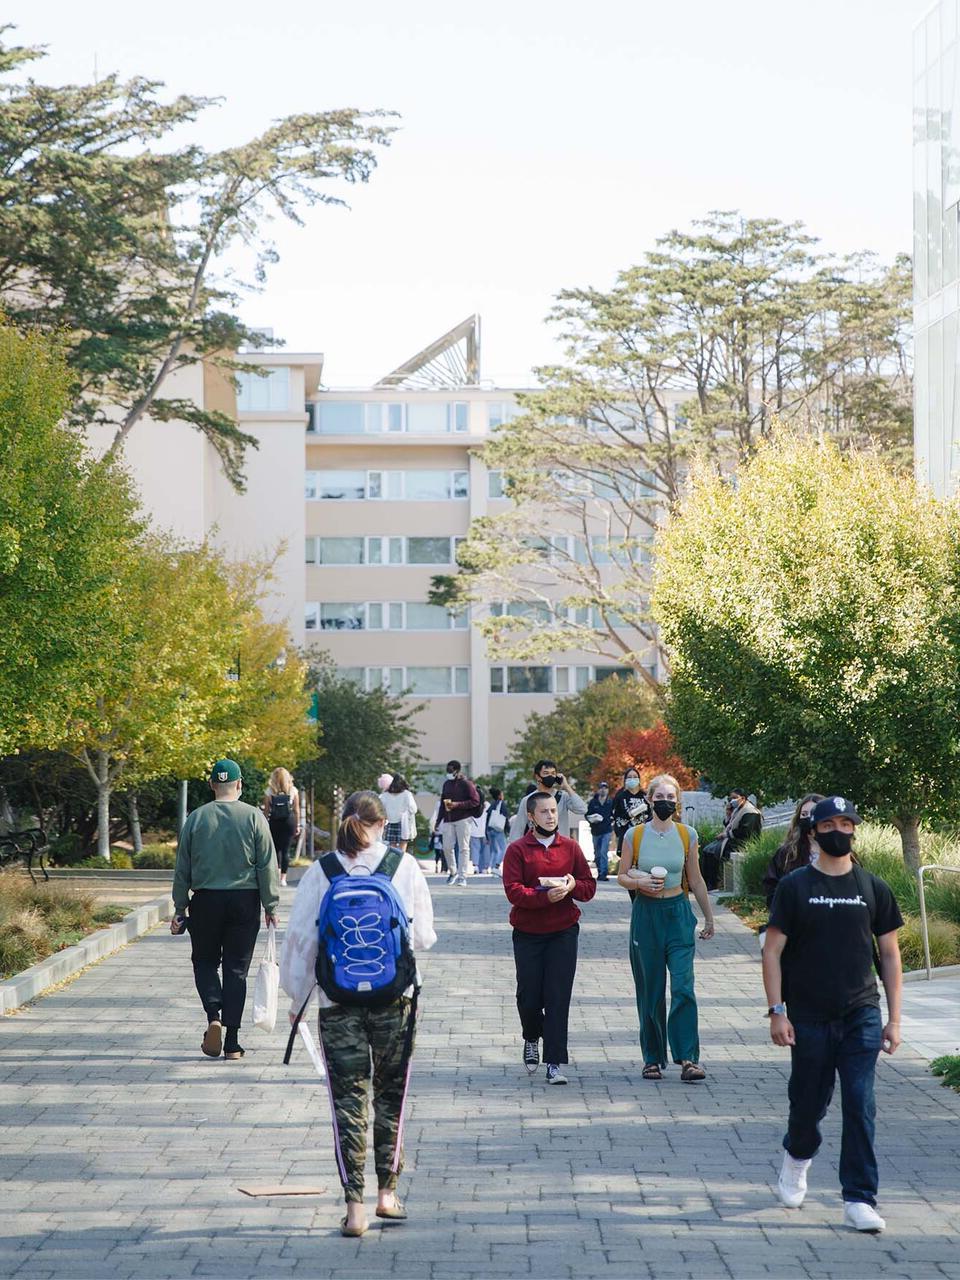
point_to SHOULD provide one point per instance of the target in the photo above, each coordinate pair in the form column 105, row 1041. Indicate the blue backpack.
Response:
column 364, row 954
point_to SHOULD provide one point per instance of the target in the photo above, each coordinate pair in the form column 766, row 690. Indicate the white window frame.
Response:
column 380, row 677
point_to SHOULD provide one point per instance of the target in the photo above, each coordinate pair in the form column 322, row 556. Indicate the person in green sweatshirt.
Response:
column 226, row 870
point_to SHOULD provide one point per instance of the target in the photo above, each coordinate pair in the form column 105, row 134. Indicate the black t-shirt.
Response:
column 827, row 962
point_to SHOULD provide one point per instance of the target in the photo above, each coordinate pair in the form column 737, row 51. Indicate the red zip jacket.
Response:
column 525, row 861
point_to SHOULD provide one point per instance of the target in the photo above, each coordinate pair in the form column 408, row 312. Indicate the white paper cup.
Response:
column 659, row 873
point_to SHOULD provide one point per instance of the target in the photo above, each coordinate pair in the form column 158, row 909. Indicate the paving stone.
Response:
column 122, row 1148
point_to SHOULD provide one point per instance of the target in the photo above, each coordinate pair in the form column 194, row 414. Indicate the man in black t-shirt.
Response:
column 819, row 956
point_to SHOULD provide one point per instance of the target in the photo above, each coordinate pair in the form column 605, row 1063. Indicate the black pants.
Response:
column 546, row 966
column 282, row 832
column 224, row 924
column 710, row 859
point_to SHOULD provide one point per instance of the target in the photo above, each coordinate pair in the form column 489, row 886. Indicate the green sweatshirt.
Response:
column 226, row 844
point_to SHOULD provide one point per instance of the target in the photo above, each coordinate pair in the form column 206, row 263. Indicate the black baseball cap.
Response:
column 834, row 807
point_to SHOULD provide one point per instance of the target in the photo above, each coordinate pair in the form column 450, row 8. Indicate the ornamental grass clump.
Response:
column 37, row 920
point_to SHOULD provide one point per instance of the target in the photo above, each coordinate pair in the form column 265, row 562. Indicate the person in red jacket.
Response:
column 543, row 872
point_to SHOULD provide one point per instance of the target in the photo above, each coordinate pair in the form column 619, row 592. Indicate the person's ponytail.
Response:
column 363, row 809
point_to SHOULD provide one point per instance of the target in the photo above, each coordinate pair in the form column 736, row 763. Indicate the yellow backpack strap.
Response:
column 635, row 841
column 685, row 841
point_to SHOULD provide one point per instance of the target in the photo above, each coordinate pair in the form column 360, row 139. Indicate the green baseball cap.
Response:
column 225, row 771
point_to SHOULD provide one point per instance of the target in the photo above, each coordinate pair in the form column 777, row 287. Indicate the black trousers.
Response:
column 224, row 924
column 282, row 833
column 710, row 859
column 546, row 966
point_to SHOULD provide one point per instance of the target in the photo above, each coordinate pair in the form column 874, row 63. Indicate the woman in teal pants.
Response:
column 662, row 928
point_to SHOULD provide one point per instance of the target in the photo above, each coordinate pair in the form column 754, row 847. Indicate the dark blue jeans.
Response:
column 600, row 846
column 847, row 1047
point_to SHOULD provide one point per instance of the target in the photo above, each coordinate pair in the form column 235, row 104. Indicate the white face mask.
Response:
column 633, row 784
column 451, row 776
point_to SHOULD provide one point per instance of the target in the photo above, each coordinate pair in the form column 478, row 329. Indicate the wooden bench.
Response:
column 25, row 846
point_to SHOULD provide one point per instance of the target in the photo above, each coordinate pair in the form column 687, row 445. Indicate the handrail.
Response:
column 923, row 911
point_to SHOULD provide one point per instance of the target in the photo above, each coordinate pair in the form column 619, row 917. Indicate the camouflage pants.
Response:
column 351, row 1038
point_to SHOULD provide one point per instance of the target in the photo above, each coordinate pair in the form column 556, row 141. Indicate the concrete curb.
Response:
column 26, row 986
column 945, row 971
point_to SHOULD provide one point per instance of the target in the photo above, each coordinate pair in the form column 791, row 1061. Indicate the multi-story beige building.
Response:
column 363, row 495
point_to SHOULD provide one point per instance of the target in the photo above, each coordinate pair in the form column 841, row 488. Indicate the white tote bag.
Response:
column 497, row 820
column 266, row 989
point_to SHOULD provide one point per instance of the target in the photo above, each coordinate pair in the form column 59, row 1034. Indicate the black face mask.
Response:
column 544, row 831
column 664, row 809
column 835, row 843
column 805, row 825
column 549, row 780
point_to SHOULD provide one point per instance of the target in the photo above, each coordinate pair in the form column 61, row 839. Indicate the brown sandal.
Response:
column 691, row 1071
column 351, row 1231
column 395, row 1213
column 651, row 1071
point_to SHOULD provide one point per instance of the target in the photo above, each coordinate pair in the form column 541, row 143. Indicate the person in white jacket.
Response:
column 352, row 1036
column 401, row 806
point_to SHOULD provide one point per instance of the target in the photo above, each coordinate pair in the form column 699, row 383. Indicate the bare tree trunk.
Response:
column 182, row 805
column 909, row 827
column 103, row 805
column 134, row 813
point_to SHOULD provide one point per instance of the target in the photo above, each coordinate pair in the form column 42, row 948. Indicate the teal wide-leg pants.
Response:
column 661, row 938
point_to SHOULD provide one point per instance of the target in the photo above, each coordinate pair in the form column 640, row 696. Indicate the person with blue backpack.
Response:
column 359, row 915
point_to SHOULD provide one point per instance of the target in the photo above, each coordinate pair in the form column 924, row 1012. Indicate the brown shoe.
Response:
column 212, row 1041
column 692, row 1071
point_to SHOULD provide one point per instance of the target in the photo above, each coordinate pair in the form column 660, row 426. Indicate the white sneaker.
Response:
column 861, row 1216
column 283, row 882
column 792, row 1183
column 452, row 877
column 462, row 880
column 554, row 1074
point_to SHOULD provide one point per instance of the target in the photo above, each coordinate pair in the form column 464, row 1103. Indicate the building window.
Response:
column 342, row 616
column 429, row 551
column 336, row 486
column 414, row 486
column 495, row 484
column 311, row 551
column 341, row 418
column 423, row 682
column 499, row 412
column 340, row 550
column 521, row 679
column 356, row 675
column 267, row 392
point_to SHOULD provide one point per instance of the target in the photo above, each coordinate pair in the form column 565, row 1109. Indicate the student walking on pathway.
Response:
column 360, row 1039
column 459, row 802
column 498, row 819
column 600, row 817
column 226, row 870
column 549, row 781
column 281, row 807
column 659, row 865
column 543, row 872
column 401, row 806
column 819, row 957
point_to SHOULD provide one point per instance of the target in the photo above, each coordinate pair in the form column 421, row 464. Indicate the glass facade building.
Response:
column 936, row 217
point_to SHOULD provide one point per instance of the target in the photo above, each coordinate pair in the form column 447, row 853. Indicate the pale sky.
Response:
column 543, row 144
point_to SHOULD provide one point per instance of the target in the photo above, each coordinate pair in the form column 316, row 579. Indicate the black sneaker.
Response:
column 554, row 1074
column 531, row 1055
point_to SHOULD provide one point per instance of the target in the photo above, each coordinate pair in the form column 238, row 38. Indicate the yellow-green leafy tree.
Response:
column 66, row 521
column 810, row 609
column 168, row 659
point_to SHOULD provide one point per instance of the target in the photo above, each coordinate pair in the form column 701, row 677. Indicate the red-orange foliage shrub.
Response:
column 650, row 750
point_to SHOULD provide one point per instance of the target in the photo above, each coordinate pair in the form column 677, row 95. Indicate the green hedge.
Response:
column 155, row 857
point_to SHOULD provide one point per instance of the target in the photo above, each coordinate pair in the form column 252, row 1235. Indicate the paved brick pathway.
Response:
column 123, row 1148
